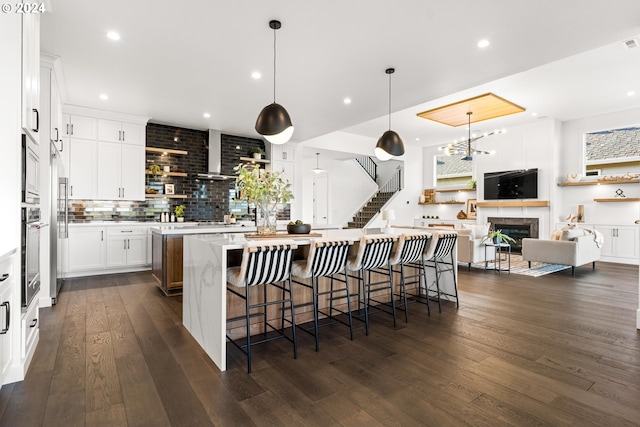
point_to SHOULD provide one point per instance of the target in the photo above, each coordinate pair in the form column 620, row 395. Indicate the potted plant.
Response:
column 471, row 185
column 497, row 237
column 256, row 152
column 265, row 190
column 179, row 210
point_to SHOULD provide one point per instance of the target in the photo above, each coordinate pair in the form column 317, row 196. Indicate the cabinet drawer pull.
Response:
column 35, row 110
column 57, row 135
column 101, row 235
column 33, row 324
column 4, row 277
column 71, row 128
column 67, row 128
column 126, row 231
column 7, row 317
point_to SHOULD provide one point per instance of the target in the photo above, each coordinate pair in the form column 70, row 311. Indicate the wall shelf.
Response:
column 165, row 150
column 442, row 203
column 603, row 182
column 165, row 196
column 619, row 199
column 252, row 160
column 161, row 173
column 514, row 204
column 454, row 190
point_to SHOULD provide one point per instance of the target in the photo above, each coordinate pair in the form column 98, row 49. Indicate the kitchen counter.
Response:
column 175, row 228
column 204, row 306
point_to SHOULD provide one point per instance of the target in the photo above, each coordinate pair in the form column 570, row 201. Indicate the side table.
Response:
column 499, row 249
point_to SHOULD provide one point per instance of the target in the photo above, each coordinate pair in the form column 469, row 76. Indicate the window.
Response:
column 612, row 152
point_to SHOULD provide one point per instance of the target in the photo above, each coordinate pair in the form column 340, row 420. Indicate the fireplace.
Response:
column 517, row 228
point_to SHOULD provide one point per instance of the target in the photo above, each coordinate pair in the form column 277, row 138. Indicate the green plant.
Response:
column 472, row 184
column 154, row 169
column 256, row 150
column 179, row 210
column 260, row 186
column 297, row 222
column 497, row 235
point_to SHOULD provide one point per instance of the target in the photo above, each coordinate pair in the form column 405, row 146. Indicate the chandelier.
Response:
column 464, row 147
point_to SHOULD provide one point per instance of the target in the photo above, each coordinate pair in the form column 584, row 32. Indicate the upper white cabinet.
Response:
column 128, row 133
column 30, row 116
column 107, row 157
column 285, row 152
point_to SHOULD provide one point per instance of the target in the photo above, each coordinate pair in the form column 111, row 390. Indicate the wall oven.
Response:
column 30, row 171
column 30, row 251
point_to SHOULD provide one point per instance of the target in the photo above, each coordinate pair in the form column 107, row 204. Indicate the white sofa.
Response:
column 470, row 247
column 574, row 251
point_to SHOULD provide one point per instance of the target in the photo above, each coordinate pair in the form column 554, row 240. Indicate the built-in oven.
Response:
column 30, row 251
column 30, row 171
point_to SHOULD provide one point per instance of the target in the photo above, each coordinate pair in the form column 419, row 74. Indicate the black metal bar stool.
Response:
column 440, row 257
column 326, row 258
column 267, row 264
column 373, row 253
column 409, row 252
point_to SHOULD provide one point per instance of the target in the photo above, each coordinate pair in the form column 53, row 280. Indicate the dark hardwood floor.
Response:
column 550, row 351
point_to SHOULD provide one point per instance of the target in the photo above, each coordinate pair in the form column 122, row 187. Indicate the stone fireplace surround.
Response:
column 527, row 227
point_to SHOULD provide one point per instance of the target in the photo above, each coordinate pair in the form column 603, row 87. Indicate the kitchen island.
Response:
column 206, row 258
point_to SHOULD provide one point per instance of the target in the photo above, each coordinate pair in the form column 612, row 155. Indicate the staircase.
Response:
column 379, row 200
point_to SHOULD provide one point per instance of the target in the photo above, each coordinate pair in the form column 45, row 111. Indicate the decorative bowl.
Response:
column 574, row 177
column 298, row 228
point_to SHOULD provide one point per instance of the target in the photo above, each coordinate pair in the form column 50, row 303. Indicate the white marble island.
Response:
column 205, row 263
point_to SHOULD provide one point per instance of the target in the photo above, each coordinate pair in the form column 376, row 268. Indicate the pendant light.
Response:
column 389, row 145
column 274, row 122
column 317, row 169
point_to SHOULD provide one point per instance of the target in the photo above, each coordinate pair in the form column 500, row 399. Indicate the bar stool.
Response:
column 373, row 254
column 326, row 258
column 409, row 252
column 441, row 248
column 267, row 264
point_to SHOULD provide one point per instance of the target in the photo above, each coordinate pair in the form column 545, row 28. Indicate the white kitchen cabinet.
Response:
column 126, row 247
column 30, row 330
column 283, row 152
column 87, row 249
column 50, row 106
column 120, row 171
column 115, row 131
column 83, row 183
column 7, row 285
column 620, row 243
column 79, row 126
column 30, row 116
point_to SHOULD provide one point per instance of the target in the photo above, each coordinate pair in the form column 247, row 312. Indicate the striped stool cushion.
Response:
column 373, row 252
column 410, row 248
column 263, row 262
column 326, row 257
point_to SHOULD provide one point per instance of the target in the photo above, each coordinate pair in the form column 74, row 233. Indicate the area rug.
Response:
column 520, row 266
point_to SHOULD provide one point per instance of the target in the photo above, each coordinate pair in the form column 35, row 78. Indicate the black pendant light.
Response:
column 273, row 121
column 389, row 145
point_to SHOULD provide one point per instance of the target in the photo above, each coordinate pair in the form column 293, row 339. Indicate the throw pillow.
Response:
column 478, row 231
column 573, row 233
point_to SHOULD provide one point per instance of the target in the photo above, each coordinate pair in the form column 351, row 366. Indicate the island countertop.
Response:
column 214, row 228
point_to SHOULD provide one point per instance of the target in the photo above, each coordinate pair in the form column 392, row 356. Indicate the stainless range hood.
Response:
column 215, row 158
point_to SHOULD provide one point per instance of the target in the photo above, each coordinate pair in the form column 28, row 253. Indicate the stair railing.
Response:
column 369, row 166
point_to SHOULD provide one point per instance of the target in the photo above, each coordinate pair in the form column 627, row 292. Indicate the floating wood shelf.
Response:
column 454, row 190
column 442, row 203
column 514, row 204
column 165, row 196
column 619, row 199
column 601, row 182
column 166, row 150
column 167, row 173
column 252, row 160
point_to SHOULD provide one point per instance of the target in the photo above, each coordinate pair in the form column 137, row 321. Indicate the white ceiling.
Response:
column 177, row 60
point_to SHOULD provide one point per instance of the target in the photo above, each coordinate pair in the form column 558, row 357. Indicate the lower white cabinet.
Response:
column 30, row 329
column 87, row 249
column 126, row 246
column 7, row 285
column 620, row 243
column 106, row 248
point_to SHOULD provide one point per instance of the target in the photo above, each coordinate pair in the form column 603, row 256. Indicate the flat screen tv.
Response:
column 515, row 184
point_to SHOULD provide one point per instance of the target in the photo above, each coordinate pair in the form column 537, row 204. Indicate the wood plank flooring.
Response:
column 549, row 351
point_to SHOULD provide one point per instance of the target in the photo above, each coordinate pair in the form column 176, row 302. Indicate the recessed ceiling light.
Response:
column 256, row 75
column 113, row 35
column 631, row 93
column 483, row 43
column 417, row 139
column 534, row 114
column 104, row 96
column 206, row 115
column 347, row 101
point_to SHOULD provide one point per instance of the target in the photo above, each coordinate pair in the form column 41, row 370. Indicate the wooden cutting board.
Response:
column 280, row 235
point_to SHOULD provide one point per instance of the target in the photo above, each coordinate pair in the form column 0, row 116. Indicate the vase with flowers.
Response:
column 265, row 190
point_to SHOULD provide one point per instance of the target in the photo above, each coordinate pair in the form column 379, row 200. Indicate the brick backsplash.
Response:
column 206, row 200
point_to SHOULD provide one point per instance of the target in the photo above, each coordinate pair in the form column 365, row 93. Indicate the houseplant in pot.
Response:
column 265, row 190
column 256, row 152
column 497, row 237
column 179, row 210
